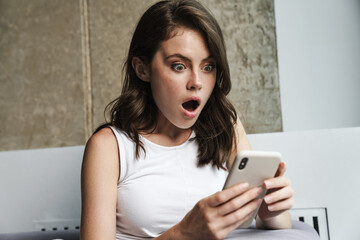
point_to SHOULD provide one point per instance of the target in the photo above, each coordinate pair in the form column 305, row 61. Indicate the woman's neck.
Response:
column 167, row 134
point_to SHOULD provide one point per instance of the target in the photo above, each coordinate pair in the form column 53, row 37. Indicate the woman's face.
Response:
column 182, row 78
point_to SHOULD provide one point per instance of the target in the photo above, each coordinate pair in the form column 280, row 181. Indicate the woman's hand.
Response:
column 216, row 216
column 278, row 200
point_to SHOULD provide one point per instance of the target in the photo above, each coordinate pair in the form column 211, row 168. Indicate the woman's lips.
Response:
column 190, row 106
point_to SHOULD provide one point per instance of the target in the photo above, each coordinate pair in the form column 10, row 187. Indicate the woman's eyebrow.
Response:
column 178, row 55
column 208, row 58
column 184, row 58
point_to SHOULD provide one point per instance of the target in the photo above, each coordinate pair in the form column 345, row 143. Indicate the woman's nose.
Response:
column 194, row 82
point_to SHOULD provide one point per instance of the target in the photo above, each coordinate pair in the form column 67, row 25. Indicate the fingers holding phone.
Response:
column 219, row 214
column 279, row 197
column 253, row 167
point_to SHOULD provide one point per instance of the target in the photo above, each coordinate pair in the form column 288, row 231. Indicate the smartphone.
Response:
column 253, row 167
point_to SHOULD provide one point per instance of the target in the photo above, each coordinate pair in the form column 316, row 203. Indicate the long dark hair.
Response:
column 135, row 109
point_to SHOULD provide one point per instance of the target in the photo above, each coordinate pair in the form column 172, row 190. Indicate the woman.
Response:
column 157, row 168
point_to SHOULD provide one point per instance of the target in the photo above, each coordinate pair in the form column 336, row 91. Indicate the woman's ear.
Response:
column 141, row 69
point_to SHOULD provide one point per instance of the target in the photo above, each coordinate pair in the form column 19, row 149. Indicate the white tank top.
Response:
column 158, row 189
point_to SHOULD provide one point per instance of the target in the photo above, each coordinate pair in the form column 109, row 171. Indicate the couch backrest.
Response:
column 40, row 189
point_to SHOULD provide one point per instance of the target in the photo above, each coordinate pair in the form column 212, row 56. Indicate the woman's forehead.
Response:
column 185, row 41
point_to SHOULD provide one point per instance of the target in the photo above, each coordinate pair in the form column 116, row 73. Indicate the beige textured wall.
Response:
column 61, row 60
column 41, row 90
column 249, row 29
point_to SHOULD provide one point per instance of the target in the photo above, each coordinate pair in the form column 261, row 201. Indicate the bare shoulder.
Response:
column 242, row 142
column 102, row 150
column 99, row 178
column 102, row 142
column 105, row 138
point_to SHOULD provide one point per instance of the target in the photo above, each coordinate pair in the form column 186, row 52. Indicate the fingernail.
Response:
column 267, row 199
column 244, row 185
column 267, row 184
column 271, row 208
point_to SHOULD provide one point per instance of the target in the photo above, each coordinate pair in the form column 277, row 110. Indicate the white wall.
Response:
column 318, row 44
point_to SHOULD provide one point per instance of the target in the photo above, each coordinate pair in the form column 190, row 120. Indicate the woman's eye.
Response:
column 178, row 67
column 208, row 68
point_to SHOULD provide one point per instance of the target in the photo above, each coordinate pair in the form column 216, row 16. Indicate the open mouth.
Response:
column 191, row 105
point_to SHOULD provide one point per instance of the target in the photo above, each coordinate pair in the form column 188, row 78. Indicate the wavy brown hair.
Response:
column 135, row 109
